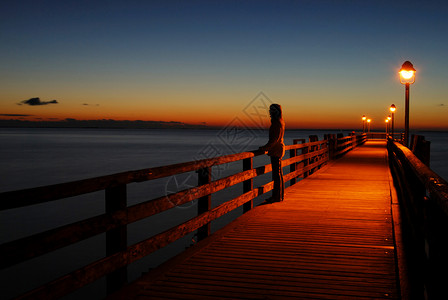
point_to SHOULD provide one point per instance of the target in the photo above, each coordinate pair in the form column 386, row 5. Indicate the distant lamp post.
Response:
column 364, row 118
column 407, row 77
column 392, row 109
column 368, row 124
column 387, row 126
column 389, row 118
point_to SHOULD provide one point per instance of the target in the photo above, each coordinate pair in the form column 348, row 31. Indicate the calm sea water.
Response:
column 36, row 157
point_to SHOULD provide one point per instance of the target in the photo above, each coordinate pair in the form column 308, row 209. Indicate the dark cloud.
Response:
column 441, row 104
column 14, row 115
column 37, row 101
column 87, row 104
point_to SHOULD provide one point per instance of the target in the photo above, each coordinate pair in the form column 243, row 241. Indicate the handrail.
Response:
column 44, row 194
column 435, row 185
column 118, row 215
column 424, row 201
column 341, row 145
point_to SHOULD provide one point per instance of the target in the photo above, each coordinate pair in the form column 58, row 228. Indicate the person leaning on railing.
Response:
column 276, row 149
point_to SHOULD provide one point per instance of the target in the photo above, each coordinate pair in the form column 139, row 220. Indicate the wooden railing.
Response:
column 340, row 145
column 398, row 136
column 376, row 135
column 313, row 155
column 423, row 199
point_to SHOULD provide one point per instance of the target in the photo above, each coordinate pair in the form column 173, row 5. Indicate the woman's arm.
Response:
column 274, row 136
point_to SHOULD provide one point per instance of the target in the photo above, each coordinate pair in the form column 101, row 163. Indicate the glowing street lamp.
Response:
column 392, row 109
column 368, row 124
column 407, row 77
column 388, row 123
column 407, row 73
column 387, row 126
column 364, row 123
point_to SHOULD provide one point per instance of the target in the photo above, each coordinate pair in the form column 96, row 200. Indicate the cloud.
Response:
column 87, row 104
column 441, row 104
column 36, row 101
column 14, row 115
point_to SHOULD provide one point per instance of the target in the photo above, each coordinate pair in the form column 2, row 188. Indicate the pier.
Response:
column 331, row 238
column 363, row 217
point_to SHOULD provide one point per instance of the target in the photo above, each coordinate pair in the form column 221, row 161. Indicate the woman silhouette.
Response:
column 276, row 149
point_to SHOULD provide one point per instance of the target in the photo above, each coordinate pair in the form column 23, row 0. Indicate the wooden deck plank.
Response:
column 266, row 287
column 295, row 277
column 332, row 238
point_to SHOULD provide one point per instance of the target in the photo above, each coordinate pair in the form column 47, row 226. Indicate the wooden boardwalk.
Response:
column 332, row 238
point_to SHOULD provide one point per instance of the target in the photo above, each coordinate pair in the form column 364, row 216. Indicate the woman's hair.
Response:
column 275, row 111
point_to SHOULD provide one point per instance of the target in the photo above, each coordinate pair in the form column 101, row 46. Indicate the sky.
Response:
column 326, row 62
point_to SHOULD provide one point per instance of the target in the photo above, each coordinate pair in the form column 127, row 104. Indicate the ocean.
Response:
column 40, row 156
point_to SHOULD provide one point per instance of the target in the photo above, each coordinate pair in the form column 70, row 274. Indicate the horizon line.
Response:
column 140, row 124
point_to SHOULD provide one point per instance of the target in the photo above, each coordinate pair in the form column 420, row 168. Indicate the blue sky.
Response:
column 209, row 58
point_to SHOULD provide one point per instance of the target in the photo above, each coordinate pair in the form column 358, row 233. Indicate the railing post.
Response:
column 293, row 166
column 304, row 151
column 338, row 142
column 312, row 138
column 331, row 140
column 421, row 148
column 204, row 203
column 248, row 185
column 325, row 155
column 116, row 239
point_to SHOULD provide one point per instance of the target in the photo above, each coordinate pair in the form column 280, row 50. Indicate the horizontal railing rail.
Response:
column 118, row 214
column 341, row 145
column 376, row 135
column 44, row 194
column 398, row 136
column 423, row 198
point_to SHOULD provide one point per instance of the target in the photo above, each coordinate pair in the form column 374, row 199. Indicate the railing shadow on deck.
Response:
column 423, row 197
column 119, row 255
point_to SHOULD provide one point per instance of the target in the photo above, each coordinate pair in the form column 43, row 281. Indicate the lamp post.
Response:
column 364, row 123
column 407, row 77
column 387, row 126
column 368, row 124
column 392, row 109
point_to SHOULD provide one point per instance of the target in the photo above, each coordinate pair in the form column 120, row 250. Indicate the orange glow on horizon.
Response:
column 437, row 122
column 298, row 114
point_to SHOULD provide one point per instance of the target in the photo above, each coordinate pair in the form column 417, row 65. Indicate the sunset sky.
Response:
column 326, row 62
